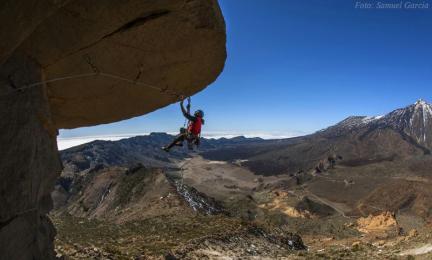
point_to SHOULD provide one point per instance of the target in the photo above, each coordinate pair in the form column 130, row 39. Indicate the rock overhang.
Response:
column 105, row 61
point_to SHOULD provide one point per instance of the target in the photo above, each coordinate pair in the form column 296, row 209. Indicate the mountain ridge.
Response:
column 359, row 167
column 358, row 139
column 414, row 120
column 402, row 132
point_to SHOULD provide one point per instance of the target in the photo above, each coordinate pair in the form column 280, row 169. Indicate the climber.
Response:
column 193, row 131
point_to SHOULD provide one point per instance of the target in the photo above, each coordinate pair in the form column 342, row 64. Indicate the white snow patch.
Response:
column 369, row 119
column 239, row 162
column 421, row 102
column 216, row 162
column 418, row 251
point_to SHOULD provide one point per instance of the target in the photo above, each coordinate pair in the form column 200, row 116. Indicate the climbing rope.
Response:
column 36, row 84
column 182, row 171
column 188, row 107
column 96, row 72
column 86, row 75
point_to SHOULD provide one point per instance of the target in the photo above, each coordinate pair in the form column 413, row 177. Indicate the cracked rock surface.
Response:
column 118, row 55
column 88, row 62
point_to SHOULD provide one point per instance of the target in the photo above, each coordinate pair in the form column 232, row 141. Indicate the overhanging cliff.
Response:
column 66, row 64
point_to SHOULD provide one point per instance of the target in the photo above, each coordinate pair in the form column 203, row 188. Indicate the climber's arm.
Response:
column 185, row 113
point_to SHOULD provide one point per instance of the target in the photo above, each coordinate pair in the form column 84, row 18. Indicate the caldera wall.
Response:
column 78, row 63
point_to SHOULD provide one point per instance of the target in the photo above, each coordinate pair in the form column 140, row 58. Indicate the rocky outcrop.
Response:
column 128, row 57
column 20, row 18
column 75, row 63
column 29, row 165
column 380, row 223
column 252, row 242
column 121, row 195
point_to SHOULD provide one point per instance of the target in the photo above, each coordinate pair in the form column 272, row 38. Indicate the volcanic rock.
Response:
column 72, row 63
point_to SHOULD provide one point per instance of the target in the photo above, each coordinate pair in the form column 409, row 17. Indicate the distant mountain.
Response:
column 374, row 156
column 140, row 149
column 415, row 121
column 358, row 140
column 126, row 152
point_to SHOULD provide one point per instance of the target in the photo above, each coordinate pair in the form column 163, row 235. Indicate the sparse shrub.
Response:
column 130, row 185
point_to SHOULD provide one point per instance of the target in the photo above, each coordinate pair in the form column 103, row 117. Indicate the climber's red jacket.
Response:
column 195, row 122
column 194, row 126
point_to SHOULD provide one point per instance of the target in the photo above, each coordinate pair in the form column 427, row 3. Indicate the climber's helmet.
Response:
column 199, row 113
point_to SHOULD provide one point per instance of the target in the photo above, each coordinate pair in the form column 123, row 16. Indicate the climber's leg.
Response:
column 177, row 141
column 192, row 139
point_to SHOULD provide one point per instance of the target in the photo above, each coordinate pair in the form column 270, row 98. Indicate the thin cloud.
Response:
column 68, row 142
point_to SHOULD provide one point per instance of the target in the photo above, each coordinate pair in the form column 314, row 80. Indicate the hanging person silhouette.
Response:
column 192, row 133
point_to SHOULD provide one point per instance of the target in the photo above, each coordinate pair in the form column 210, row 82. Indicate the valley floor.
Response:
column 263, row 211
column 209, row 238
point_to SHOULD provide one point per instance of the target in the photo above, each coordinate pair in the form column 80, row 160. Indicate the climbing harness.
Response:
column 188, row 128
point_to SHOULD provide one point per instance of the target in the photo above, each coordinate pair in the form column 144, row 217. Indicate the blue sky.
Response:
column 296, row 66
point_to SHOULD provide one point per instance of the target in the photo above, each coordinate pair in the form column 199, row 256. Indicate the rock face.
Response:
column 29, row 165
column 129, row 58
column 75, row 63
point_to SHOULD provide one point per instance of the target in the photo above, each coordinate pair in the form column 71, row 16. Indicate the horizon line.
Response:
column 68, row 142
